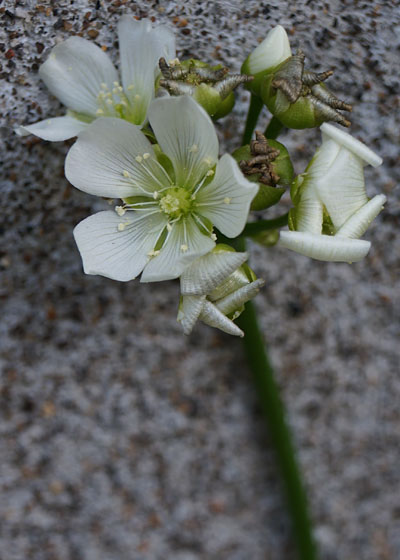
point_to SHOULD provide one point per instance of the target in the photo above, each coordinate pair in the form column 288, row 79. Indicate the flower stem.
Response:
column 273, row 129
column 274, row 413
column 252, row 228
column 252, row 117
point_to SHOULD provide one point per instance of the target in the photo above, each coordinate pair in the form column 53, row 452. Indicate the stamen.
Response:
column 126, row 173
column 227, row 200
column 184, row 248
column 120, row 210
column 122, row 226
column 153, row 253
column 193, row 149
column 139, row 159
column 146, row 155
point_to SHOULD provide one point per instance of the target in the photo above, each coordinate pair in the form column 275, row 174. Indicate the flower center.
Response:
column 115, row 102
column 176, row 202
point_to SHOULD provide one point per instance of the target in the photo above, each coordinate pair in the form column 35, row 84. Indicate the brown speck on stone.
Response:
column 39, row 47
column 93, row 33
column 48, row 409
column 9, row 54
column 186, row 31
column 67, row 25
column 103, row 48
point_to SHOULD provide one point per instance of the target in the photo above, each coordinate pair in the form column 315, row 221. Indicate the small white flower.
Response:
column 84, row 79
column 331, row 196
column 272, row 51
column 215, row 288
column 161, row 234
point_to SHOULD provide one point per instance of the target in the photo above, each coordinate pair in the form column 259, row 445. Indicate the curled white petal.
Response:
column 206, row 273
column 238, row 298
column 187, row 135
column 358, row 223
column 226, row 200
column 324, row 247
column 272, row 51
column 189, row 311
column 351, row 143
column 75, row 71
column 212, row 316
column 119, row 253
column 54, row 129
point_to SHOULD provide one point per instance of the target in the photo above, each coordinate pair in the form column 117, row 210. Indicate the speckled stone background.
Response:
column 122, row 439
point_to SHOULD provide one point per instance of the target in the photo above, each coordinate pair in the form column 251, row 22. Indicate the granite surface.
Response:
column 123, row 439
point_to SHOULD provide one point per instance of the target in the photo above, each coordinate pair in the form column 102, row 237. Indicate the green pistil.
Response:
column 176, row 202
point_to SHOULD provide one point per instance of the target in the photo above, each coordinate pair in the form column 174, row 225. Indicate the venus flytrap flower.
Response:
column 84, row 79
column 331, row 208
column 173, row 194
column 215, row 288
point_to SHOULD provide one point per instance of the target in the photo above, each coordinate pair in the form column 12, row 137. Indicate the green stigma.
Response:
column 176, row 202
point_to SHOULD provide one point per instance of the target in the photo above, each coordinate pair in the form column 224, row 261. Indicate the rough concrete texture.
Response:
column 122, row 439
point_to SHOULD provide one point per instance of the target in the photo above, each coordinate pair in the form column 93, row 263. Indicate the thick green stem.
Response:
column 273, row 129
column 252, row 117
column 253, row 228
column 274, row 413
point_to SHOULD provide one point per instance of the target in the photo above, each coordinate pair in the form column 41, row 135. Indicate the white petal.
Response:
column 141, row 47
column 226, row 200
column 184, row 244
column 238, row 298
column 189, row 311
column 358, row 223
column 75, row 71
column 119, row 255
column 212, row 316
column 309, row 213
column 272, row 51
column 324, row 247
column 342, row 188
column 187, row 135
column 55, row 129
column 206, row 273
column 351, row 143
column 103, row 161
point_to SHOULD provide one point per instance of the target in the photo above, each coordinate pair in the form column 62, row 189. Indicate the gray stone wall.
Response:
column 122, row 439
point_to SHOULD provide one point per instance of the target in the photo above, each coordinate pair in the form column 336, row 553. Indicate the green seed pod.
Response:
column 279, row 170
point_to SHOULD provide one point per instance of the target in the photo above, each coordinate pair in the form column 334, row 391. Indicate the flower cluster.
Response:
column 146, row 138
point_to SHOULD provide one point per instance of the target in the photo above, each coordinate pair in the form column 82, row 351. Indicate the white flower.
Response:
column 215, row 288
column 272, row 51
column 84, row 79
column 171, row 199
column 330, row 197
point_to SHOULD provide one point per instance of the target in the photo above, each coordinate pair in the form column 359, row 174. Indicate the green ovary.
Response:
column 176, row 202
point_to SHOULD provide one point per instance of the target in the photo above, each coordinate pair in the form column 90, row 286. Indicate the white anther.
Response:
column 173, row 62
column 193, row 149
column 146, row 155
column 104, row 85
column 153, row 253
column 210, row 172
column 227, row 200
column 99, row 112
column 126, row 173
column 155, row 195
column 116, row 84
column 169, row 227
column 122, row 226
column 139, row 159
column 213, row 237
column 120, row 210
column 184, row 248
